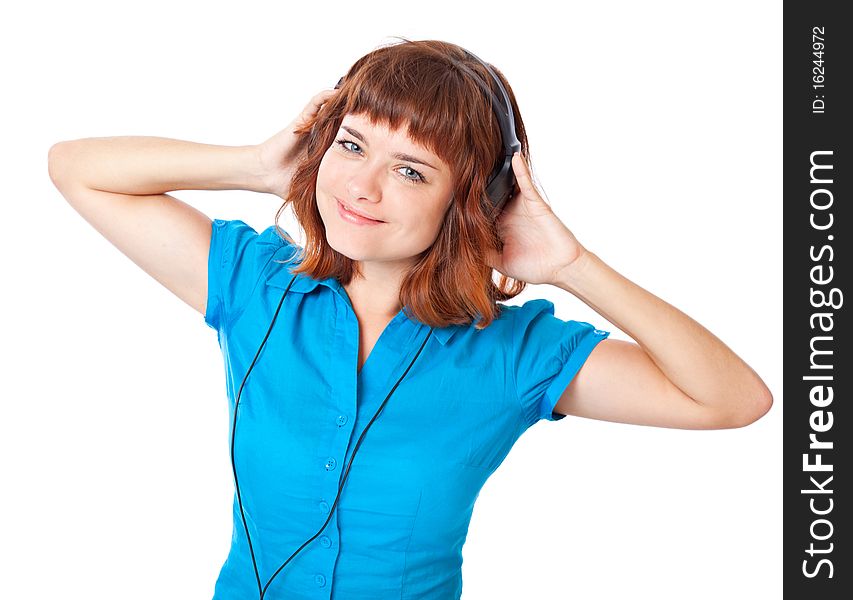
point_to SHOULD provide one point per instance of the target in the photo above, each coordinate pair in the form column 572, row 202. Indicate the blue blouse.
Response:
column 403, row 514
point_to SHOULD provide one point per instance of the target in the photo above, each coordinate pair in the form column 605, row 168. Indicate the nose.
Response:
column 364, row 182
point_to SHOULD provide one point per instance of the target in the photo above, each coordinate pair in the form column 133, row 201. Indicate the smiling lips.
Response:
column 354, row 217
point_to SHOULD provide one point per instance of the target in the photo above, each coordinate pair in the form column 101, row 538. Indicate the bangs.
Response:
column 437, row 105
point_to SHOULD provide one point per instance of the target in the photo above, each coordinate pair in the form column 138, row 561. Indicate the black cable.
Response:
column 262, row 591
column 234, row 433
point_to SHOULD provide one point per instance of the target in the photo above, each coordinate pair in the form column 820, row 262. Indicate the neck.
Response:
column 376, row 293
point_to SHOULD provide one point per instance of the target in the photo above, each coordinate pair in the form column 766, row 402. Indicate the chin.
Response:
column 345, row 244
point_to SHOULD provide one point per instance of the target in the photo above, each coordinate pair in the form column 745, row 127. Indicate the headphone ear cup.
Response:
column 501, row 185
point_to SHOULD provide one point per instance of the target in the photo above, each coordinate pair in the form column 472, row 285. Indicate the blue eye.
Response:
column 418, row 178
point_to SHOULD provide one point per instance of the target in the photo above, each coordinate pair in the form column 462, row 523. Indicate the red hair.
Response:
column 419, row 85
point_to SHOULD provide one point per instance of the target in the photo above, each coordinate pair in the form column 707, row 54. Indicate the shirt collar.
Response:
column 304, row 284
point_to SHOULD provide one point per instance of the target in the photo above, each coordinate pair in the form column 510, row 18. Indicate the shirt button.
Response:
column 342, row 420
column 320, row 580
column 330, row 464
column 324, row 507
column 325, row 541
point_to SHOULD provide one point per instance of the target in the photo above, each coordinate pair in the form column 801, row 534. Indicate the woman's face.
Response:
column 382, row 174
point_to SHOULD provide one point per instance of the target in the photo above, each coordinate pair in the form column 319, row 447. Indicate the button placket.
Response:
column 343, row 394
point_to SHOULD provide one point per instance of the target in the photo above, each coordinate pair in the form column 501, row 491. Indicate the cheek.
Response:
column 323, row 170
column 429, row 225
column 326, row 185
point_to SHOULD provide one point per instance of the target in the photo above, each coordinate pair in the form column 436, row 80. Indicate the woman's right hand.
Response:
column 279, row 153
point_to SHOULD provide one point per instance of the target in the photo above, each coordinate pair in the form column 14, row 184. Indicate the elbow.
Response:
column 750, row 409
column 60, row 162
column 54, row 161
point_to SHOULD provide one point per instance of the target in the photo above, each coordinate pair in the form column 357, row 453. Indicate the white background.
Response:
column 655, row 131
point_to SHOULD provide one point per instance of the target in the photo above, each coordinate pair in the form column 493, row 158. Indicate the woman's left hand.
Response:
column 537, row 246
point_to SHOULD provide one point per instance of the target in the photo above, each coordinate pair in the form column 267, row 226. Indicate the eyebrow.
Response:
column 398, row 155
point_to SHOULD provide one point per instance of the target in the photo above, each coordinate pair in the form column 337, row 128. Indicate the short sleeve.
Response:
column 547, row 353
column 237, row 259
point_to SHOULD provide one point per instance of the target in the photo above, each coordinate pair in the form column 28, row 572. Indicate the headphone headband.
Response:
column 502, row 180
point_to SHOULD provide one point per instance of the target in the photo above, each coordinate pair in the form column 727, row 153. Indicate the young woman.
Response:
column 375, row 378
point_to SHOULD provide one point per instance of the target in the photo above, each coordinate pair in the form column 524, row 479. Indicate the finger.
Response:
column 522, row 176
column 318, row 100
column 322, row 95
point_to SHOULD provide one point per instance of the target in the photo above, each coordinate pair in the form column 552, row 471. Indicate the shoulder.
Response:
column 545, row 354
column 506, row 331
column 527, row 311
column 538, row 316
column 233, row 239
column 239, row 259
column 273, row 234
column 508, row 318
column 237, row 228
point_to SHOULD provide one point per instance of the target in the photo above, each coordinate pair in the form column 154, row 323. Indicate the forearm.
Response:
column 145, row 165
column 690, row 356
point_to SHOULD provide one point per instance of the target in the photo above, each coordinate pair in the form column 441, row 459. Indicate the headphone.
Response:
column 499, row 190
